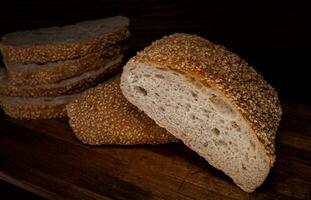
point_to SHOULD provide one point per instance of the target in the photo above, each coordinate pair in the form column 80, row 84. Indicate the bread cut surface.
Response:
column 36, row 108
column 62, row 43
column 103, row 116
column 67, row 86
column 210, row 99
column 32, row 74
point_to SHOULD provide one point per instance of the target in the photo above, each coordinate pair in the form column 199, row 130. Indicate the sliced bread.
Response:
column 212, row 100
column 67, row 86
column 103, row 116
column 36, row 108
column 62, row 43
column 32, row 74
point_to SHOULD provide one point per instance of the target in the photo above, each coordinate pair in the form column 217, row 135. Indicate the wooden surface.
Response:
column 44, row 157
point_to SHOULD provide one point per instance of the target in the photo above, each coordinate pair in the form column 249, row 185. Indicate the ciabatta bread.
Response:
column 62, row 43
column 34, row 74
column 36, row 108
column 103, row 116
column 68, row 86
column 210, row 99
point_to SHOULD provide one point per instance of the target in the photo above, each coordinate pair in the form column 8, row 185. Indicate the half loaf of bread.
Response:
column 212, row 100
column 33, row 74
column 68, row 86
column 36, row 108
column 62, row 43
column 103, row 116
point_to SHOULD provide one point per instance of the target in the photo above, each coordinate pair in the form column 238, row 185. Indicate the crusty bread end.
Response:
column 103, row 116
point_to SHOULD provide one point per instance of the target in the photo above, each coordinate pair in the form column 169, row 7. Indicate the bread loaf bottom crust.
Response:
column 36, row 108
column 34, row 74
column 68, row 86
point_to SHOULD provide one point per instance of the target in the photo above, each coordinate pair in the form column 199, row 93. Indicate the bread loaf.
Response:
column 68, row 86
column 36, row 108
column 212, row 100
column 34, row 74
column 62, row 43
column 103, row 116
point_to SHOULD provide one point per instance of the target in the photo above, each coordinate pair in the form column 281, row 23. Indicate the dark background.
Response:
column 274, row 37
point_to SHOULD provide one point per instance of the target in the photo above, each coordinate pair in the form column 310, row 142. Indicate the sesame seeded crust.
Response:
column 102, row 115
column 224, row 71
column 68, row 86
column 36, row 108
column 45, row 53
column 32, row 74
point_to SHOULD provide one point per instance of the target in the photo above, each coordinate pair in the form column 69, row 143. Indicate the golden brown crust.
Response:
column 27, row 109
column 49, row 90
column 54, row 72
column 65, row 51
column 224, row 71
column 102, row 115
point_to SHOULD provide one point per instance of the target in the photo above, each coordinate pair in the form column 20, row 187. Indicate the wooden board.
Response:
column 43, row 156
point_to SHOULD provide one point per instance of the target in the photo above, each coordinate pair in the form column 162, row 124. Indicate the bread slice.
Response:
column 210, row 99
column 32, row 74
column 67, row 86
column 36, row 108
column 103, row 116
column 62, row 43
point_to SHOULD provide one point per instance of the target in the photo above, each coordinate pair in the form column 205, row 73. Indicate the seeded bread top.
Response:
column 66, row 34
column 224, row 71
column 63, row 43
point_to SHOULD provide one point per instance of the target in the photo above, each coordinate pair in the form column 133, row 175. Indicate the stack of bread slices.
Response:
column 47, row 68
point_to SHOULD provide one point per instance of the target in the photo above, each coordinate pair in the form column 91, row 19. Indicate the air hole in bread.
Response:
column 221, row 106
column 159, row 76
column 215, row 131
column 147, row 75
column 206, row 114
column 253, row 145
column 187, row 107
column 235, row 126
column 243, row 166
column 140, row 90
column 220, row 143
column 162, row 109
column 194, row 94
column 193, row 117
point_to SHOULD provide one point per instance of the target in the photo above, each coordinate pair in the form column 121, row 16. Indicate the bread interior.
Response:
column 202, row 118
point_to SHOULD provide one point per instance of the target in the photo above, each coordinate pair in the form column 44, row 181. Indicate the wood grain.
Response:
column 44, row 156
